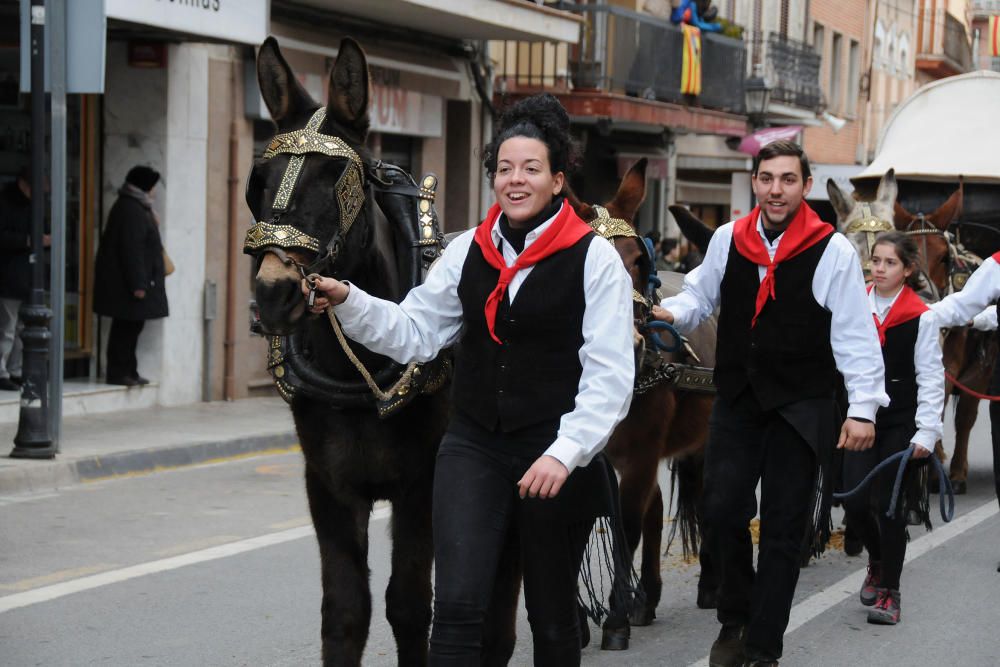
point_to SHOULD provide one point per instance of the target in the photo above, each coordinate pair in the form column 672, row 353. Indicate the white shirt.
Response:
column 430, row 319
column 927, row 361
column 986, row 320
column 838, row 286
column 982, row 289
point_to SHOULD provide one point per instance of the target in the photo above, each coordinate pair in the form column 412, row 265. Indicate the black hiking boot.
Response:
column 729, row 649
column 871, row 587
column 886, row 609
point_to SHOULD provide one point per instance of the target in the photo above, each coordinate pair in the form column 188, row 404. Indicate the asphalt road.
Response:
column 217, row 565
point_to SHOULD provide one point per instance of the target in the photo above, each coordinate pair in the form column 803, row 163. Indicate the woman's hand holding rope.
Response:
column 544, row 478
column 328, row 292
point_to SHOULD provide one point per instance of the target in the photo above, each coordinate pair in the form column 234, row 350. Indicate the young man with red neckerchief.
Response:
column 793, row 312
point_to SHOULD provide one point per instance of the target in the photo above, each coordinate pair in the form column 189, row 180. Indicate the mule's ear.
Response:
column 887, row 189
column 693, row 229
column 283, row 94
column 349, row 92
column 901, row 218
column 841, row 204
column 631, row 191
column 947, row 212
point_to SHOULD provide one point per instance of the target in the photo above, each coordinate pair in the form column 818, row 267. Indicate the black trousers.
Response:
column 479, row 519
column 884, row 537
column 995, row 427
column 122, row 340
column 747, row 444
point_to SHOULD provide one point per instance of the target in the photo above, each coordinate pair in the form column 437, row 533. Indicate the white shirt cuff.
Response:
column 925, row 439
column 865, row 410
column 566, row 451
column 354, row 305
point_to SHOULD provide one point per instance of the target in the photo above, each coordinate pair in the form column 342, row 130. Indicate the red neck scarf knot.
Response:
column 906, row 307
column 565, row 230
column 804, row 231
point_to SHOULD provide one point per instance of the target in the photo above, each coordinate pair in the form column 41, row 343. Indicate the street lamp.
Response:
column 758, row 96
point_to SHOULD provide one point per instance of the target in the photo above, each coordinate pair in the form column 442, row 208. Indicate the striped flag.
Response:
column 691, row 61
column 994, row 36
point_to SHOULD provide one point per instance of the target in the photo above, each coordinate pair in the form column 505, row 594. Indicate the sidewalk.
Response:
column 102, row 446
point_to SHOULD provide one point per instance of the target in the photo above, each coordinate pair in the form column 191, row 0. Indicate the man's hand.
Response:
column 46, row 240
column 662, row 314
column 544, row 478
column 139, row 294
column 329, row 292
column 856, row 436
column 919, row 452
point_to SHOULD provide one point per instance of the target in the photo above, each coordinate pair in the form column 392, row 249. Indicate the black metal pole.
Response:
column 33, row 440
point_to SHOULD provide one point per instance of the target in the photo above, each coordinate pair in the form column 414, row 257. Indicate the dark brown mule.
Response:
column 353, row 458
column 969, row 355
column 662, row 423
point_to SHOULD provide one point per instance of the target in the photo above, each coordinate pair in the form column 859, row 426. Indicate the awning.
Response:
column 944, row 130
column 708, row 152
column 752, row 143
column 467, row 19
column 696, row 192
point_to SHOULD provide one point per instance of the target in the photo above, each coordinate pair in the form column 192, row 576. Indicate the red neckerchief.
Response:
column 566, row 229
column 906, row 306
column 803, row 232
column 996, row 257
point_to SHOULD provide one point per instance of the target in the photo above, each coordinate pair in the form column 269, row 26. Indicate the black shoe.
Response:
column 123, row 381
column 17, row 379
column 728, row 649
column 139, row 380
column 6, row 384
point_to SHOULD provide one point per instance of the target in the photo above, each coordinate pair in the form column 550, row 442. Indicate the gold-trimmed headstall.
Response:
column 868, row 222
column 298, row 144
column 264, row 234
column 611, row 228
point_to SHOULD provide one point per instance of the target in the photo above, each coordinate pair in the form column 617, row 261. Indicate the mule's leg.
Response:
column 965, row 418
column 637, row 490
column 652, row 540
column 408, row 595
column 342, row 533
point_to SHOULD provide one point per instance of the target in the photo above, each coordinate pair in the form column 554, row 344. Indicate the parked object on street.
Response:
column 129, row 273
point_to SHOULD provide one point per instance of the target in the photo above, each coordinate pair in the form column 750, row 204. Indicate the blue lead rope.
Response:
column 903, row 457
column 653, row 327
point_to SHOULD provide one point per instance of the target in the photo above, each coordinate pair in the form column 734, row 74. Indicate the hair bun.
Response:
column 543, row 111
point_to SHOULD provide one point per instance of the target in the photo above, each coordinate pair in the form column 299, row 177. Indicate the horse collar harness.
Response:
column 409, row 208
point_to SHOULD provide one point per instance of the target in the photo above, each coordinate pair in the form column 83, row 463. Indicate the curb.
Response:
column 50, row 475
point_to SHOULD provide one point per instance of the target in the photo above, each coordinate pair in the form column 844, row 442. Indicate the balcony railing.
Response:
column 629, row 53
column 942, row 43
column 791, row 68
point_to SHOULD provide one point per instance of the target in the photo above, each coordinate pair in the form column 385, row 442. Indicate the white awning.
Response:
column 466, row 19
column 946, row 129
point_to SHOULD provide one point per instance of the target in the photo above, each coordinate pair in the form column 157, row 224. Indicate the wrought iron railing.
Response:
column 629, row 53
column 792, row 70
column 941, row 34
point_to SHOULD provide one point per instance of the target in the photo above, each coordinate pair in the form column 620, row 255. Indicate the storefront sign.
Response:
column 240, row 21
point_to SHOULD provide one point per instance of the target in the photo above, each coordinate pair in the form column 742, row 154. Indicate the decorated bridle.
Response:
column 272, row 236
column 611, row 228
column 870, row 225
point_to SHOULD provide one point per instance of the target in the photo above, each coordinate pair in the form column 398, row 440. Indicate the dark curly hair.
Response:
column 907, row 252
column 539, row 117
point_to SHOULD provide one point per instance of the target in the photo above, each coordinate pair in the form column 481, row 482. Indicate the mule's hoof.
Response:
column 615, row 639
column 642, row 616
column 958, row 487
column 707, row 598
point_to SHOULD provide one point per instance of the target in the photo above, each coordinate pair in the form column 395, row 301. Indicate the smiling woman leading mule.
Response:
column 539, row 310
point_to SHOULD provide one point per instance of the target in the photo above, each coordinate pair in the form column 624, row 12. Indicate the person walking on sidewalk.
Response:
column 793, row 312
column 15, row 272
column 914, row 373
column 129, row 273
column 539, row 310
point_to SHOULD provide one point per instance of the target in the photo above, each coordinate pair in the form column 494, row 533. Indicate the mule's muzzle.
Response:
column 280, row 306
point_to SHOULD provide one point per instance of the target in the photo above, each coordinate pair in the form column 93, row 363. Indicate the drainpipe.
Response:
column 233, row 254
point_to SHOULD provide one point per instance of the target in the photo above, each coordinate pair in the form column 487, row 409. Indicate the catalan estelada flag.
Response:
column 994, row 36
column 691, row 61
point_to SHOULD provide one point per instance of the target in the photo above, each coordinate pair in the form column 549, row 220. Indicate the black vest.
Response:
column 530, row 381
column 900, row 374
column 787, row 356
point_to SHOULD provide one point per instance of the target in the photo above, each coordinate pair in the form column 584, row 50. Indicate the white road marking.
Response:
column 849, row 586
column 48, row 593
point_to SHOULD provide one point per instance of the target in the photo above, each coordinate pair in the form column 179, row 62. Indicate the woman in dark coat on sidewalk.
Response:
column 129, row 273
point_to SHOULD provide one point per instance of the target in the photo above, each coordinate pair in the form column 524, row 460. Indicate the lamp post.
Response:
column 33, row 440
column 758, row 96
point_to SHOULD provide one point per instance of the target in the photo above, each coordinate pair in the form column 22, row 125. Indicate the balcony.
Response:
column 942, row 43
column 791, row 68
column 627, row 67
